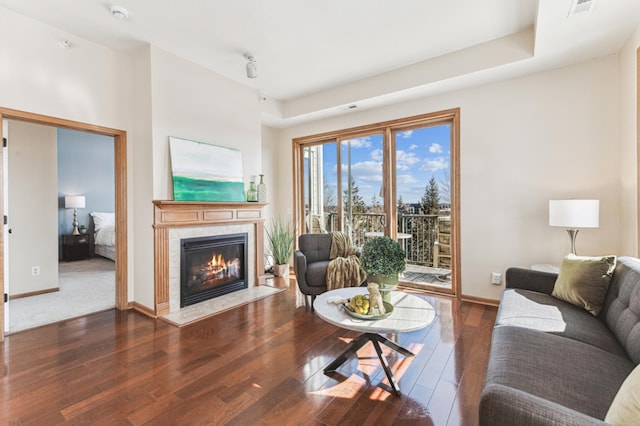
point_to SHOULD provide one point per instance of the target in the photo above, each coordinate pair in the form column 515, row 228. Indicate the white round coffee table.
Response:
column 410, row 313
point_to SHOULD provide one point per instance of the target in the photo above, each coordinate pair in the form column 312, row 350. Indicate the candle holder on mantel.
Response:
column 262, row 190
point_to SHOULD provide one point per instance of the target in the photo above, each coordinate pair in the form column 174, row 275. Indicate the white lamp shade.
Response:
column 74, row 201
column 574, row 213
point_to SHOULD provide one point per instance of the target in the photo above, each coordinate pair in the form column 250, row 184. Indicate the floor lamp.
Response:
column 74, row 202
column 574, row 214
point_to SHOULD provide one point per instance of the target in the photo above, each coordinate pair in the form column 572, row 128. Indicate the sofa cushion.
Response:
column 568, row 372
column 317, row 274
column 537, row 311
column 621, row 309
column 584, row 281
column 625, row 408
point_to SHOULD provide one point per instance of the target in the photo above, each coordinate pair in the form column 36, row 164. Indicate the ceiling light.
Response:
column 252, row 67
column 119, row 12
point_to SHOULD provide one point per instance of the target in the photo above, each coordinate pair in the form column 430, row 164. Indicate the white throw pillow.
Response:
column 625, row 408
column 102, row 219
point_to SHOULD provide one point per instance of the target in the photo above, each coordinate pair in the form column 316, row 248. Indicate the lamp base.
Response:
column 573, row 233
column 75, row 223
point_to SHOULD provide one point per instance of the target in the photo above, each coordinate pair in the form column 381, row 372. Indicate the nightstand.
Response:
column 75, row 247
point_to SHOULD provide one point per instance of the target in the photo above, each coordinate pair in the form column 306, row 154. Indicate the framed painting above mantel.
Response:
column 205, row 172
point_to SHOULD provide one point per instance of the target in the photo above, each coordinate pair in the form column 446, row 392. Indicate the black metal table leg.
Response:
column 375, row 339
column 352, row 348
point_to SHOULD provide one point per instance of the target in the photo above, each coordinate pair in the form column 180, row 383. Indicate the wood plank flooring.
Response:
column 260, row 363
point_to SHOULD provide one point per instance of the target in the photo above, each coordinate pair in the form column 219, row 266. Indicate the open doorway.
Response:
column 61, row 259
column 119, row 179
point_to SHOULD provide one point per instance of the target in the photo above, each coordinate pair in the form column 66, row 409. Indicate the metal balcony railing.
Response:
column 420, row 248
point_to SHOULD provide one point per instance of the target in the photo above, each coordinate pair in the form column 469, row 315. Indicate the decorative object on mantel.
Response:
column 262, row 190
column 252, row 194
column 204, row 172
column 281, row 243
column 383, row 259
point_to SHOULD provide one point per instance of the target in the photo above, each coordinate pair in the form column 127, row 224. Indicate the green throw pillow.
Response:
column 625, row 408
column 584, row 281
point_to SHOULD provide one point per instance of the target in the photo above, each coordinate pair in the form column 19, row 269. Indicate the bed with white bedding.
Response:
column 104, row 234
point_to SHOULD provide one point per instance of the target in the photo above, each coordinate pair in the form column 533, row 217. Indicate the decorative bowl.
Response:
column 387, row 306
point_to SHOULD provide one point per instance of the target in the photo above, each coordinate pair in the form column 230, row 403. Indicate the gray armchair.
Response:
column 310, row 264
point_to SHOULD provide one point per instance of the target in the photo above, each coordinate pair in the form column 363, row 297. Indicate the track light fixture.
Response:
column 252, row 67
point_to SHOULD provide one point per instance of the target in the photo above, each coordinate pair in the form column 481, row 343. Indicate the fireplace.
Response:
column 212, row 266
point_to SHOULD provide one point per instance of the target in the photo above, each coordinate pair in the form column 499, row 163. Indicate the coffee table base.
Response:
column 375, row 339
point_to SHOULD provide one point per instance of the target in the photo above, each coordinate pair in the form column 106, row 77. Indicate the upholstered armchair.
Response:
column 310, row 264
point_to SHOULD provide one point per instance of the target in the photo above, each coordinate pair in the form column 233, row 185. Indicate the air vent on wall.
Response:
column 581, row 6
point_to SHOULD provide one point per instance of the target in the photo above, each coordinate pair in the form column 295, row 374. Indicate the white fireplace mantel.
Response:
column 187, row 215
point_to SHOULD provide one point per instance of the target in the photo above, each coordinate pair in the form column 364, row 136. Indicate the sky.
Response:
column 420, row 154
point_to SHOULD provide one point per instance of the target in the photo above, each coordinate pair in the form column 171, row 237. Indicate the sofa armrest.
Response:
column 502, row 405
column 528, row 279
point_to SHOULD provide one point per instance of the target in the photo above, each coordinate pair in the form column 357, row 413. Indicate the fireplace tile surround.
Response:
column 174, row 221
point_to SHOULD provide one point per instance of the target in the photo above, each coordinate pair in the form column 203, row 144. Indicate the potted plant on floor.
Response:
column 280, row 239
column 383, row 259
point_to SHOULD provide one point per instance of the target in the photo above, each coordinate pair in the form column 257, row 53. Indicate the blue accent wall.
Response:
column 85, row 167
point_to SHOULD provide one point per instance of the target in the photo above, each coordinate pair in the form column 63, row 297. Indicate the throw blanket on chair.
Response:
column 344, row 269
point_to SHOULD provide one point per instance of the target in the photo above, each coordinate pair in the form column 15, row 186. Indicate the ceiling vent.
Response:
column 581, row 6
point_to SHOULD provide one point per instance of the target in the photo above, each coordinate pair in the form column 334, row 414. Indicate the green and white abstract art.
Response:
column 204, row 172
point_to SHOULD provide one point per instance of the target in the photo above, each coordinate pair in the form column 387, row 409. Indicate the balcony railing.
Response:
column 420, row 248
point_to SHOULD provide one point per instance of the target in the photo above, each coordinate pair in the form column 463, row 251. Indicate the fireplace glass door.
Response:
column 212, row 266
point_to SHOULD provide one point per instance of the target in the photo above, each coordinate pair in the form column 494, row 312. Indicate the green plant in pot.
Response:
column 280, row 239
column 383, row 259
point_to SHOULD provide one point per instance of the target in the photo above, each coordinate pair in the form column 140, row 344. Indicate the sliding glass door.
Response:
column 395, row 179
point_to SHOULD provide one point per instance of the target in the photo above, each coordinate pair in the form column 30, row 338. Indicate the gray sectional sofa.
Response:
column 553, row 363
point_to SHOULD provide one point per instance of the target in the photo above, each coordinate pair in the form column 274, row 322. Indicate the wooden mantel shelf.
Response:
column 175, row 214
column 180, row 213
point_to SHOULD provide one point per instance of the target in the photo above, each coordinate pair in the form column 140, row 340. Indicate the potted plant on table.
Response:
column 383, row 259
column 280, row 239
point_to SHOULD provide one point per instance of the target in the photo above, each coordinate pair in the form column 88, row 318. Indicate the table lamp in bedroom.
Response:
column 74, row 202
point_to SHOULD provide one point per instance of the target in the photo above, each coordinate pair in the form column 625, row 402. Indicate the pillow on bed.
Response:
column 101, row 220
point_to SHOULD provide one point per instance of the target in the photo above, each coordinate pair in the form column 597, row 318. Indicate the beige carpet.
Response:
column 86, row 286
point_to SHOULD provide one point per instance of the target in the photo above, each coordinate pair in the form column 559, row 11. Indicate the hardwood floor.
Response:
column 260, row 363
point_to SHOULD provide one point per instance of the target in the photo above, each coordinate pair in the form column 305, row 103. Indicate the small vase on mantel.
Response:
column 252, row 194
column 262, row 190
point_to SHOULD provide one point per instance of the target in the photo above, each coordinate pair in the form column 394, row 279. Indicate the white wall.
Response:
column 628, row 63
column 523, row 141
column 191, row 102
column 33, row 207
column 87, row 83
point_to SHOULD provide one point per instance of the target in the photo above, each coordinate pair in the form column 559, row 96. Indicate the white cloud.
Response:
column 376, row 155
column 405, row 179
column 413, row 147
column 365, row 171
column 435, row 164
column 435, row 148
column 364, row 142
column 406, row 135
column 404, row 160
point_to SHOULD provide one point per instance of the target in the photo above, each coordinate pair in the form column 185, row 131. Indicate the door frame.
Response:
column 120, row 177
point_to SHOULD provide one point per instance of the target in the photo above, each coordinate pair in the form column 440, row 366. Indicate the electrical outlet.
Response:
column 496, row 278
column 35, row 271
